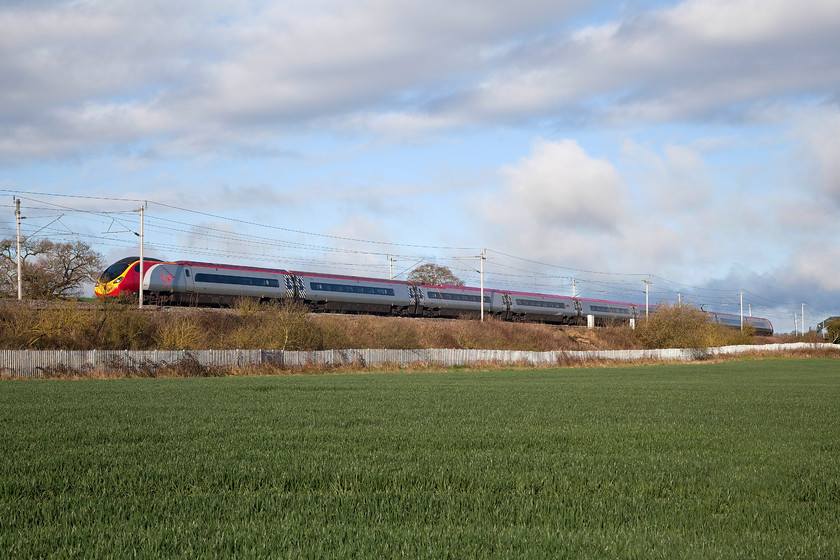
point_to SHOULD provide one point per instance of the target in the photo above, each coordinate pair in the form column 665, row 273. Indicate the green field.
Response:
column 731, row 460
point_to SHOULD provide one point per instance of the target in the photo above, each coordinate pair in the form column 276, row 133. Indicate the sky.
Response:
column 584, row 147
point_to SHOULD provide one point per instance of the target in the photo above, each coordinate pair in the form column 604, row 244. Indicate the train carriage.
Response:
column 606, row 311
column 327, row 292
column 459, row 301
column 122, row 277
column 543, row 308
column 212, row 284
column 761, row 326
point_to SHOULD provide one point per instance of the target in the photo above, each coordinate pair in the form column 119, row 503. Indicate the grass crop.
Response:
column 729, row 460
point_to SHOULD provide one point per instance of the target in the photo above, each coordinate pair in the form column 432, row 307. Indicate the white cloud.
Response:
column 820, row 129
column 557, row 203
column 700, row 59
column 663, row 213
column 674, row 183
column 156, row 71
column 560, row 184
column 560, row 204
column 817, row 266
column 748, row 21
column 397, row 126
column 94, row 73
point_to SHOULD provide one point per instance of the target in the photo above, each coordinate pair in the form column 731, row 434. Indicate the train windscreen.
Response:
column 116, row 269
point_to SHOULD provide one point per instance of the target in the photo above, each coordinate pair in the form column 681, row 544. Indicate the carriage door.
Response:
column 295, row 290
column 415, row 294
column 507, row 303
column 189, row 281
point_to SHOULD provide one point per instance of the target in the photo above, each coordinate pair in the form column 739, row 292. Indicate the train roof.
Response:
column 232, row 267
column 453, row 287
column 347, row 277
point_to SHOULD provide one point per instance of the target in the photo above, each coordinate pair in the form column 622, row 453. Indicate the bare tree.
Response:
column 50, row 270
column 434, row 275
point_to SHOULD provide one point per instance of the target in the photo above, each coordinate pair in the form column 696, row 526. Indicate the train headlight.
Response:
column 117, row 281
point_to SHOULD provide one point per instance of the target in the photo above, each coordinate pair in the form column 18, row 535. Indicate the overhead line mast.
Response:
column 19, row 263
column 482, row 257
column 140, row 288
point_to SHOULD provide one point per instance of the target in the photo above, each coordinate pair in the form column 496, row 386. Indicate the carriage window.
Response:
column 236, row 280
column 604, row 309
column 351, row 289
column 456, row 297
column 541, row 303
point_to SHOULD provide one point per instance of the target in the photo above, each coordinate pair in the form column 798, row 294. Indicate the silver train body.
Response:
column 199, row 283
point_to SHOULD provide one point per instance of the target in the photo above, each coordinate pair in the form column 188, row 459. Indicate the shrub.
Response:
column 247, row 307
column 63, row 327
column 120, row 325
column 294, row 326
column 285, row 326
column 183, row 333
column 834, row 331
column 686, row 327
column 15, row 322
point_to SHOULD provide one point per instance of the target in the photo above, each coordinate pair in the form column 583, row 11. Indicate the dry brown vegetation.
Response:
column 112, row 325
column 686, row 327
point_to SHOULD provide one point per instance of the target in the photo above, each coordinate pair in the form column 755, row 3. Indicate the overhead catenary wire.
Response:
column 196, row 229
column 361, row 252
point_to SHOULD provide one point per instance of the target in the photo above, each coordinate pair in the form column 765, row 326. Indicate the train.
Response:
column 212, row 284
